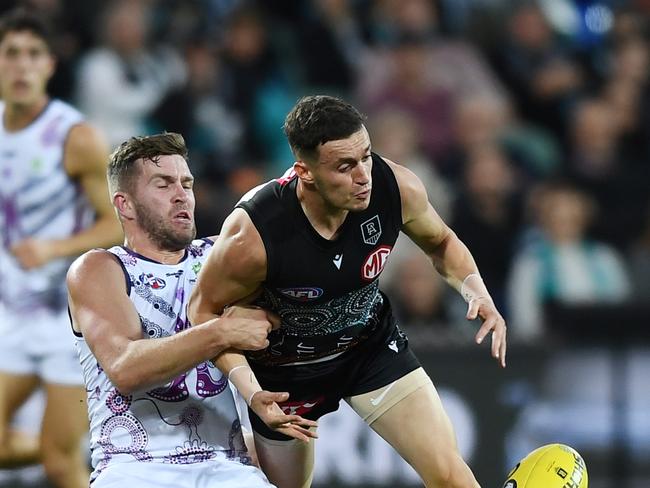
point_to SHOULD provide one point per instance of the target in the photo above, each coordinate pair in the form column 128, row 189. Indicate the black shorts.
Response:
column 317, row 388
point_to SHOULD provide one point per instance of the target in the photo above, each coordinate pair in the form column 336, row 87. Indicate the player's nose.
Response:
column 362, row 174
column 180, row 193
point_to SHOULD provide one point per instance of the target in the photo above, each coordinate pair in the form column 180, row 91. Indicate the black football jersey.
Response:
column 326, row 292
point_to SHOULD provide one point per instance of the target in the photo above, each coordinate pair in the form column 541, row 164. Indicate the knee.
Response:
column 55, row 470
column 450, row 471
column 5, row 456
column 60, row 463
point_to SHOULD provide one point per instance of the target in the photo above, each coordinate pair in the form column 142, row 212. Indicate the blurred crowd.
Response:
column 528, row 121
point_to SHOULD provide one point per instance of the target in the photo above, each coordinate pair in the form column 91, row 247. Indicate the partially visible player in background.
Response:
column 54, row 205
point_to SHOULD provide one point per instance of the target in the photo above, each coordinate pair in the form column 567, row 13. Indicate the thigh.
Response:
column 287, row 464
column 14, row 391
column 372, row 405
column 417, row 423
column 419, row 429
column 65, row 420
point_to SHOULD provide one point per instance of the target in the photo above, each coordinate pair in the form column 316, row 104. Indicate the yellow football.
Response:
column 550, row 466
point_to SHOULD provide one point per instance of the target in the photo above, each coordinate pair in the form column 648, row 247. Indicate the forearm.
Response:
column 235, row 365
column 147, row 363
column 105, row 232
column 453, row 260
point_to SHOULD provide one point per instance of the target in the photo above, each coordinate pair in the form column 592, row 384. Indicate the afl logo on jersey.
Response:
column 302, row 294
column 375, row 262
column 371, row 230
column 152, row 281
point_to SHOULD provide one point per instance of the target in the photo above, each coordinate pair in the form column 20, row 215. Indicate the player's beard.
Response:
column 160, row 232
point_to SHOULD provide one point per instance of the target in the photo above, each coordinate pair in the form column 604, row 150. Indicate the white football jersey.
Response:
column 188, row 420
column 38, row 200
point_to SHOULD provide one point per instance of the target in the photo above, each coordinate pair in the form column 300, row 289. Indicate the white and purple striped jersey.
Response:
column 38, row 200
column 191, row 419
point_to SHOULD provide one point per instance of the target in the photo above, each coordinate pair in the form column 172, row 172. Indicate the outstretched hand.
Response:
column 485, row 309
column 265, row 405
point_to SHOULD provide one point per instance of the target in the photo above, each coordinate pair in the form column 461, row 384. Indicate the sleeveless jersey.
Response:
column 326, row 292
column 188, row 420
column 38, row 200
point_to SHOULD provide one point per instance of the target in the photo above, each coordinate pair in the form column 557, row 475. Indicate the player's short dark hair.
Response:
column 20, row 20
column 317, row 119
column 122, row 170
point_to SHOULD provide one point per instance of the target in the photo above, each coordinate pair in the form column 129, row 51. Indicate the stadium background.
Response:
column 527, row 122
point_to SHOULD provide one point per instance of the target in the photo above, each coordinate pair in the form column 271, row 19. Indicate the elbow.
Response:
column 123, row 379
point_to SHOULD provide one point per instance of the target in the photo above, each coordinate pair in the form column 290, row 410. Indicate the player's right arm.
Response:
column 102, row 311
column 233, row 272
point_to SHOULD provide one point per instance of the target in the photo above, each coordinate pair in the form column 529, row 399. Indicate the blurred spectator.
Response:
column 594, row 141
column 483, row 120
column 628, row 92
column 477, row 120
column 597, row 166
column 561, row 264
column 418, row 71
column 387, row 20
column 407, row 87
column 214, row 132
column 330, row 43
column 486, row 215
column 396, row 136
column 254, row 84
column 540, row 72
column 121, row 81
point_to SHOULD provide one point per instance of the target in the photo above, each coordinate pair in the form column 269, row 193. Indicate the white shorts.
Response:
column 39, row 343
column 208, row 474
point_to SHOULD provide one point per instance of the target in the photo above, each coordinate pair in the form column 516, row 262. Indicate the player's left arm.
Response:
column 85, row 161
column 450, row 257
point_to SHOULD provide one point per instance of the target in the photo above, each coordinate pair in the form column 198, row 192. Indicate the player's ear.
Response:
column 303, row 171
column 124, row 206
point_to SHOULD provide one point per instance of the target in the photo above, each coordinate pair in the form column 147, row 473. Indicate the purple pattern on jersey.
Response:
column 180, row 295
column 192, row 416
column 8, row 209
column 196, row 251
column 127, row 259
column 158, row 303
column 51, row 135
column 175, row 392
column 95, row 394
column 139, row 439
column 238, row 450
column 118, row 403
column 181, row 324
column 151, row 329
column 191, row 452
column 206, row 385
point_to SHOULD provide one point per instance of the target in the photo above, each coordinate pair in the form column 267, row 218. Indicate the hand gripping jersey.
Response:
column 326, row 292
column 38, row 200
column 190, row 419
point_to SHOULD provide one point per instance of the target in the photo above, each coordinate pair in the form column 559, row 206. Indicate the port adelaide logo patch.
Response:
column 371, row 230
